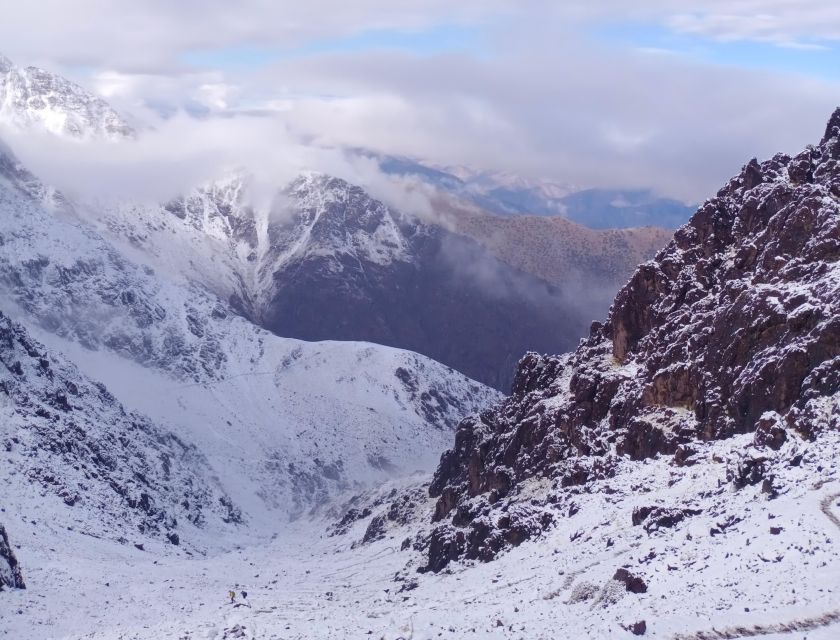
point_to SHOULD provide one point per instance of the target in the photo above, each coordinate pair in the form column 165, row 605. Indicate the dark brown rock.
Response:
column 631, row 582
column 769, row 433
column 10, row 575
column 637, row 628
column 733, row 328
column 655, row 518
column 684, row 456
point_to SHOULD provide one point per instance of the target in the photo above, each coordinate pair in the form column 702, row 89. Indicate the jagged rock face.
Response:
column 347, row 267
column 218, row 210
column 734, row 327
column 33, row 96
column 10, row 574
column 97, row 298
column 69, row 435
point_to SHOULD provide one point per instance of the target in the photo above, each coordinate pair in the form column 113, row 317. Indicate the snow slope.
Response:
column 723, row 573
column 284, row 424
column 74, row 458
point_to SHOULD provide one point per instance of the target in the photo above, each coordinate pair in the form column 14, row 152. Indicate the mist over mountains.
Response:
column 256, row 385
column 319, row 258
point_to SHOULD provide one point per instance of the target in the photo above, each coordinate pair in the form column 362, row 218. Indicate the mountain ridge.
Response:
column 733, row 328
column 33, row 98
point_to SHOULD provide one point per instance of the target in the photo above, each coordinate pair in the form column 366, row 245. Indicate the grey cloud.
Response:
column 149, row 36
column 573, row 112
column 537, row 99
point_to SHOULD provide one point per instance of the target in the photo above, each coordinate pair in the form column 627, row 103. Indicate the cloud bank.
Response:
column 533, row 90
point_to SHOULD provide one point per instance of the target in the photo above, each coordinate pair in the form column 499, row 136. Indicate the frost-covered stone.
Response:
column 10, row 573
column 733, row 328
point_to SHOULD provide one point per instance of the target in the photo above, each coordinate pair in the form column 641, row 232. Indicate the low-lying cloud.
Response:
column 182, row 153
column 535, row 92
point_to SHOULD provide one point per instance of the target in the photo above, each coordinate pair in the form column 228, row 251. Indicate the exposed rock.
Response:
column 375, row 530
column 684, row 456
column 10, row 574
column 769, row 433
column 733, row 328
column 631, row 582
column 749, row 470
column 637, row 628
column 661, row 517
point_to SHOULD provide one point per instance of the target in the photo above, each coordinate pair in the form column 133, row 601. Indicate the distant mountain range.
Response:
column 511, row 195
column 466, row 286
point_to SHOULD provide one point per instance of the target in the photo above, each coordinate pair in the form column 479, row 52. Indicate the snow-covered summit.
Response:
column 35, row 97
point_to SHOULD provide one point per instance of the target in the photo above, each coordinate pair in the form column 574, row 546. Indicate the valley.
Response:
column 465, row 419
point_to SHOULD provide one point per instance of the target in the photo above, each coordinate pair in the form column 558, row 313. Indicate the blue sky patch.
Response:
column 817, row 58
column 440, row 39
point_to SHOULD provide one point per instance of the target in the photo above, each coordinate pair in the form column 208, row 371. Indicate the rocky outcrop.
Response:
column 10, row 575
column 733, row 328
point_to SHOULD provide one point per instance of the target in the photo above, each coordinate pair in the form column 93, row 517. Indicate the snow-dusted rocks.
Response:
column 33, row 97
column 68, row 438
column 10, row 574
column 734, row 327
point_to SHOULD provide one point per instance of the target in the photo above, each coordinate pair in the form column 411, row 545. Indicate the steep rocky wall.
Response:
column 10, row 575
column 734, row 327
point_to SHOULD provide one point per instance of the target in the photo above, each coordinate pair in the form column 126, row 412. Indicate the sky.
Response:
column 674, row 95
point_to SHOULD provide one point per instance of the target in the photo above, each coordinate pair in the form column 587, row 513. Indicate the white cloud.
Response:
column 782, row 22
column 534, row 96
column 149, row 36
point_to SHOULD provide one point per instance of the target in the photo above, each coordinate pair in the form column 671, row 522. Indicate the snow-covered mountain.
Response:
column 328, row 261
column 33, row 97
column 283, row 424
column 734, row 328
column 471, row 290
column 675, row 476
column 457, row 288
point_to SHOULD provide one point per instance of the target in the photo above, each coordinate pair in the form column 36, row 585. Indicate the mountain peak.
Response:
column 832, row 129
column 36, row 98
